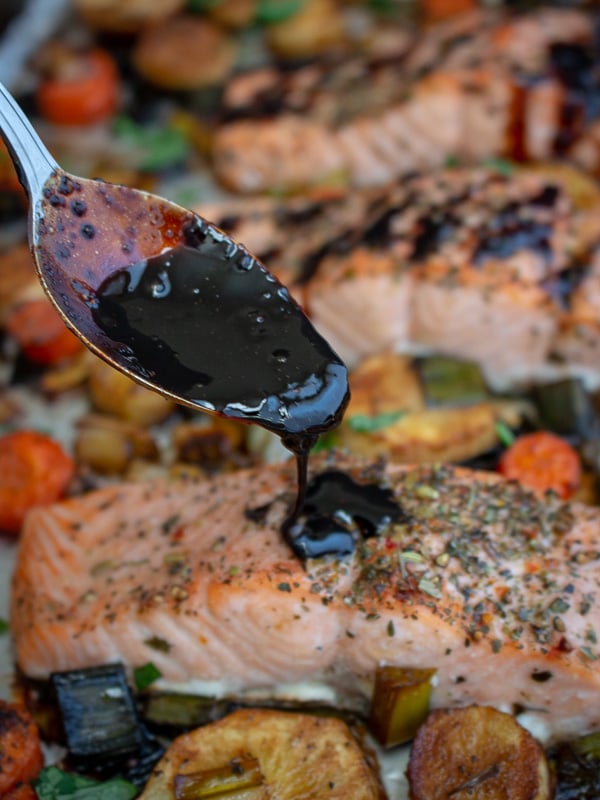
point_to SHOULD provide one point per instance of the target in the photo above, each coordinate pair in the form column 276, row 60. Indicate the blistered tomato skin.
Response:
column 84, row 90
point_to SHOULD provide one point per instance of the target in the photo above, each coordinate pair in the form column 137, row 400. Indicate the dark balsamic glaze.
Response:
column 510, row 231
column 336, row 513
column 209, row 323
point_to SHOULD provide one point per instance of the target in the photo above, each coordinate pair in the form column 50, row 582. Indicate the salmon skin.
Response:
column 478, row 578
column 482, row 85
column 488, row 265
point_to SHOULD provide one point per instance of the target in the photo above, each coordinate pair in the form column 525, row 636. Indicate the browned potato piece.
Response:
column 212, row 444
column 476, row 753
column 431, row 435
column 298, row 755
column 317, row 26
column 109, row 445
column 185, row 53
column 116, row 394
column 387, row 387
column 385, row 382
column 67, row 375
column 126, row 16
column 233, row 13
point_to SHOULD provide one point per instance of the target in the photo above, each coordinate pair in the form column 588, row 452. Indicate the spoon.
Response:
column 170, row 300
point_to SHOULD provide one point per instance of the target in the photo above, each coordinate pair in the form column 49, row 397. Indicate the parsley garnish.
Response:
column 504, row 433
column 54, row 784
column 145, row 675
column 364, row 423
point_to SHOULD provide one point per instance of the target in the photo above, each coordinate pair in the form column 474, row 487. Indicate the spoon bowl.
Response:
column 169, row 299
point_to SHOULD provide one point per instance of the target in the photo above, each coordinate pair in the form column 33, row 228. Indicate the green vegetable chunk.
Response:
column 577, row 766
column 54, row 784
column 240, row 774
column 399, row 704
column 451, row 382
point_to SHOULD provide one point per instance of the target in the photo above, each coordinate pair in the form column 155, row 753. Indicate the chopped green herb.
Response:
column 452, row 162
column 284, row 587
column 156, row 643
column 365, row 423
column 559, row 606
column 3, row 626
column 269, row 11
column 429, row 588
column 411, row 555
column 145, row 675
column 156, row 148
column 54, row 784
column 327, row 441
column 500, row 165
column 504, row 433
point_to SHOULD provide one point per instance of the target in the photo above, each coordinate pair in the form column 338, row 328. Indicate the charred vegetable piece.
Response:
column 566, row 408
column 240, row 774
column 400, row 703
column 577, row 767
column 100, row 722
column 450, row 381
column 20, row 752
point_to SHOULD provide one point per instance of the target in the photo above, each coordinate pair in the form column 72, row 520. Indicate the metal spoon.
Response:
column 128, row 271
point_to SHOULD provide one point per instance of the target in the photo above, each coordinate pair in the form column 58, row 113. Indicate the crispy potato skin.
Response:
column 300, row 756
column 476, row 753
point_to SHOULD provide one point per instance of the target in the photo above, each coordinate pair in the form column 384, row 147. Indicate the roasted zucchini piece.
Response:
column 181, row 711
column 477, row 752
column 577, row 766
column 298, row 755
column 101, row 727
column 566, row 408
column 400, row 703
column 451, row 382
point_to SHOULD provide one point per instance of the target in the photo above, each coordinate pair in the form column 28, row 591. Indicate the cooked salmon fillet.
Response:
column 488, row 264
column 482, row 85
column 490, row 585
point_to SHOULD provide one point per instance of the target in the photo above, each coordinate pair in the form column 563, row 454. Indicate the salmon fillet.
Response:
column 493, row 587
column 492, row 267
column 480, row 86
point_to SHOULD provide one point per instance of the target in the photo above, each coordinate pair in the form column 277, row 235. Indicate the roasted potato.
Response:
column 476, row 753
column 125, row 16
column 114, row 393
column 109, row 446
column 388, row 415
column 184, row 53
column 275, row 754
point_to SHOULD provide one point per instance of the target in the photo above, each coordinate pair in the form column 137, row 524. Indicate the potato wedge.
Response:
column 126, row 16
column 387, row 394
column 476, row 753
column 184, row 53
column 108, row 445
column 299, row 756
column 114, row 393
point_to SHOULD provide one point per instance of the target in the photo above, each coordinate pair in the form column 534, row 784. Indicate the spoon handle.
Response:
column 32, row 160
